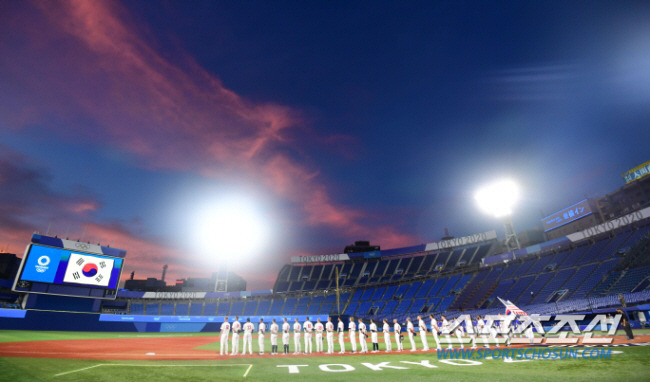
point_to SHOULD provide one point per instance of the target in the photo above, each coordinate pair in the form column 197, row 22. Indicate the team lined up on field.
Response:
column 308, row 329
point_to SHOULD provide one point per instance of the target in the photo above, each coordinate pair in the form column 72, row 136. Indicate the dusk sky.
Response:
column 343, row 121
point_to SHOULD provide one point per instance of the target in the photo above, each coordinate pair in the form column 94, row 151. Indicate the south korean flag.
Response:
column 88, row 270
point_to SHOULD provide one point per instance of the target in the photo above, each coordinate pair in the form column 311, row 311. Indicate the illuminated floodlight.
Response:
column 231, row 229
column 498, row 199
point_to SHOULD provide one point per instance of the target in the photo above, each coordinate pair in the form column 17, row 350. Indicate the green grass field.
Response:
column 626, row 363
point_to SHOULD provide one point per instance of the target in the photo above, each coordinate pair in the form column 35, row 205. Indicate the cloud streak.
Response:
column 86, row 66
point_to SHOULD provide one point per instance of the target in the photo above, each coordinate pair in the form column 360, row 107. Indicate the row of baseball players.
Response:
column 364, row 332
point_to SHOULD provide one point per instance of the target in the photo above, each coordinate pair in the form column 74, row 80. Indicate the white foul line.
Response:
column 74, row 371
column 250, row 365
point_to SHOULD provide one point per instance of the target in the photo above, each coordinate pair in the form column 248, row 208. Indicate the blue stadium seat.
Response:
column 351, row 308
column 224, row 308
column 210, row 309
column 237, row 308
column 250, row 307
column 137, row 309
column 263, row 308
column 290, row 306
column 410, row 293
column 196, row 309
column 166, row 309
column 389, row 308
column 277, row 304
column 152, row 309
column 182, row 309
column 378, row 294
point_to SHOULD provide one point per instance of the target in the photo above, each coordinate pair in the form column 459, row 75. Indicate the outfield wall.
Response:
column 15, row 319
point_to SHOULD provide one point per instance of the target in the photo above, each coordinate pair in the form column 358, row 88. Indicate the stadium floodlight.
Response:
column 231, row 229
column 498, row 199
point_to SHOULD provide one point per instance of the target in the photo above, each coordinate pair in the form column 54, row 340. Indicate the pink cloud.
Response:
column 83, row 207
column 296, row 183
column 145, row 255
column 87, row 58
column 14, row 240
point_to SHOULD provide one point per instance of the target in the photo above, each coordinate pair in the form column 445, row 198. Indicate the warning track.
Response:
column 165, row 348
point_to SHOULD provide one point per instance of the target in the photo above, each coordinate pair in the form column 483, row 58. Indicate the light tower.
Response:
column 221, row 279
column 498, row 199
column 164, row 272
column 231, row 229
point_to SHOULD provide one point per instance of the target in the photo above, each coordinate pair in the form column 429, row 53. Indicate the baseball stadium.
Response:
column 259, row 190
column 61, row 327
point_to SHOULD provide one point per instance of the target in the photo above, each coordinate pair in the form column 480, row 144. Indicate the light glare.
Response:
column 498, row 199
column 232, row 229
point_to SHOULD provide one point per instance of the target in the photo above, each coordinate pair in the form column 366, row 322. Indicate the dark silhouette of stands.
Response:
column 445, row 281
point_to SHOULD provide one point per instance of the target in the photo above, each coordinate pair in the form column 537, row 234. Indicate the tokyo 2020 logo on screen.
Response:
column 42, row 264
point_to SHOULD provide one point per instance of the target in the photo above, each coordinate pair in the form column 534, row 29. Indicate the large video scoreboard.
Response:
column 567, row 215
column 70, row 268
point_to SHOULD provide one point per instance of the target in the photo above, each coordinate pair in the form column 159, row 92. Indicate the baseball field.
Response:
column 111, row 357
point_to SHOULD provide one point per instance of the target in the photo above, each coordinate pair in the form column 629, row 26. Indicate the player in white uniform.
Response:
column 261, row 329
column 482, row 330
column 445, row 329
column 296, row 336
column 285, row 336
column 225, row 332
column 329, row 332
column 308, row 326
column 352, row 331
column 459, row 332
column 236, row 327
column 515, row 328
column 397, row 328
column 248, row 336
column 423, row 334
column 274, row 338
column 473, row 333
column 410, row 330
column 363, row 334
column 373, row 336
column 319, row 335
column 435, row 329
column 530, row 335
column 507, row 324
column 341, row 329
column 386, row 330
column 493, row 332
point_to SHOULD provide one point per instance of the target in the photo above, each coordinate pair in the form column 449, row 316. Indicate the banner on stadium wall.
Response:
column 611, row 225
column 565, row 216
column 76, row 246
column 174, row 295
column 216, row 319
column 498, row 258
column 637, row 172
column 320, row 258
column 461, row 241
column 192, row 295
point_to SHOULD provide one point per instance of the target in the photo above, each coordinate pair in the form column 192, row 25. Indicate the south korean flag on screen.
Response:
column 88, row 270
